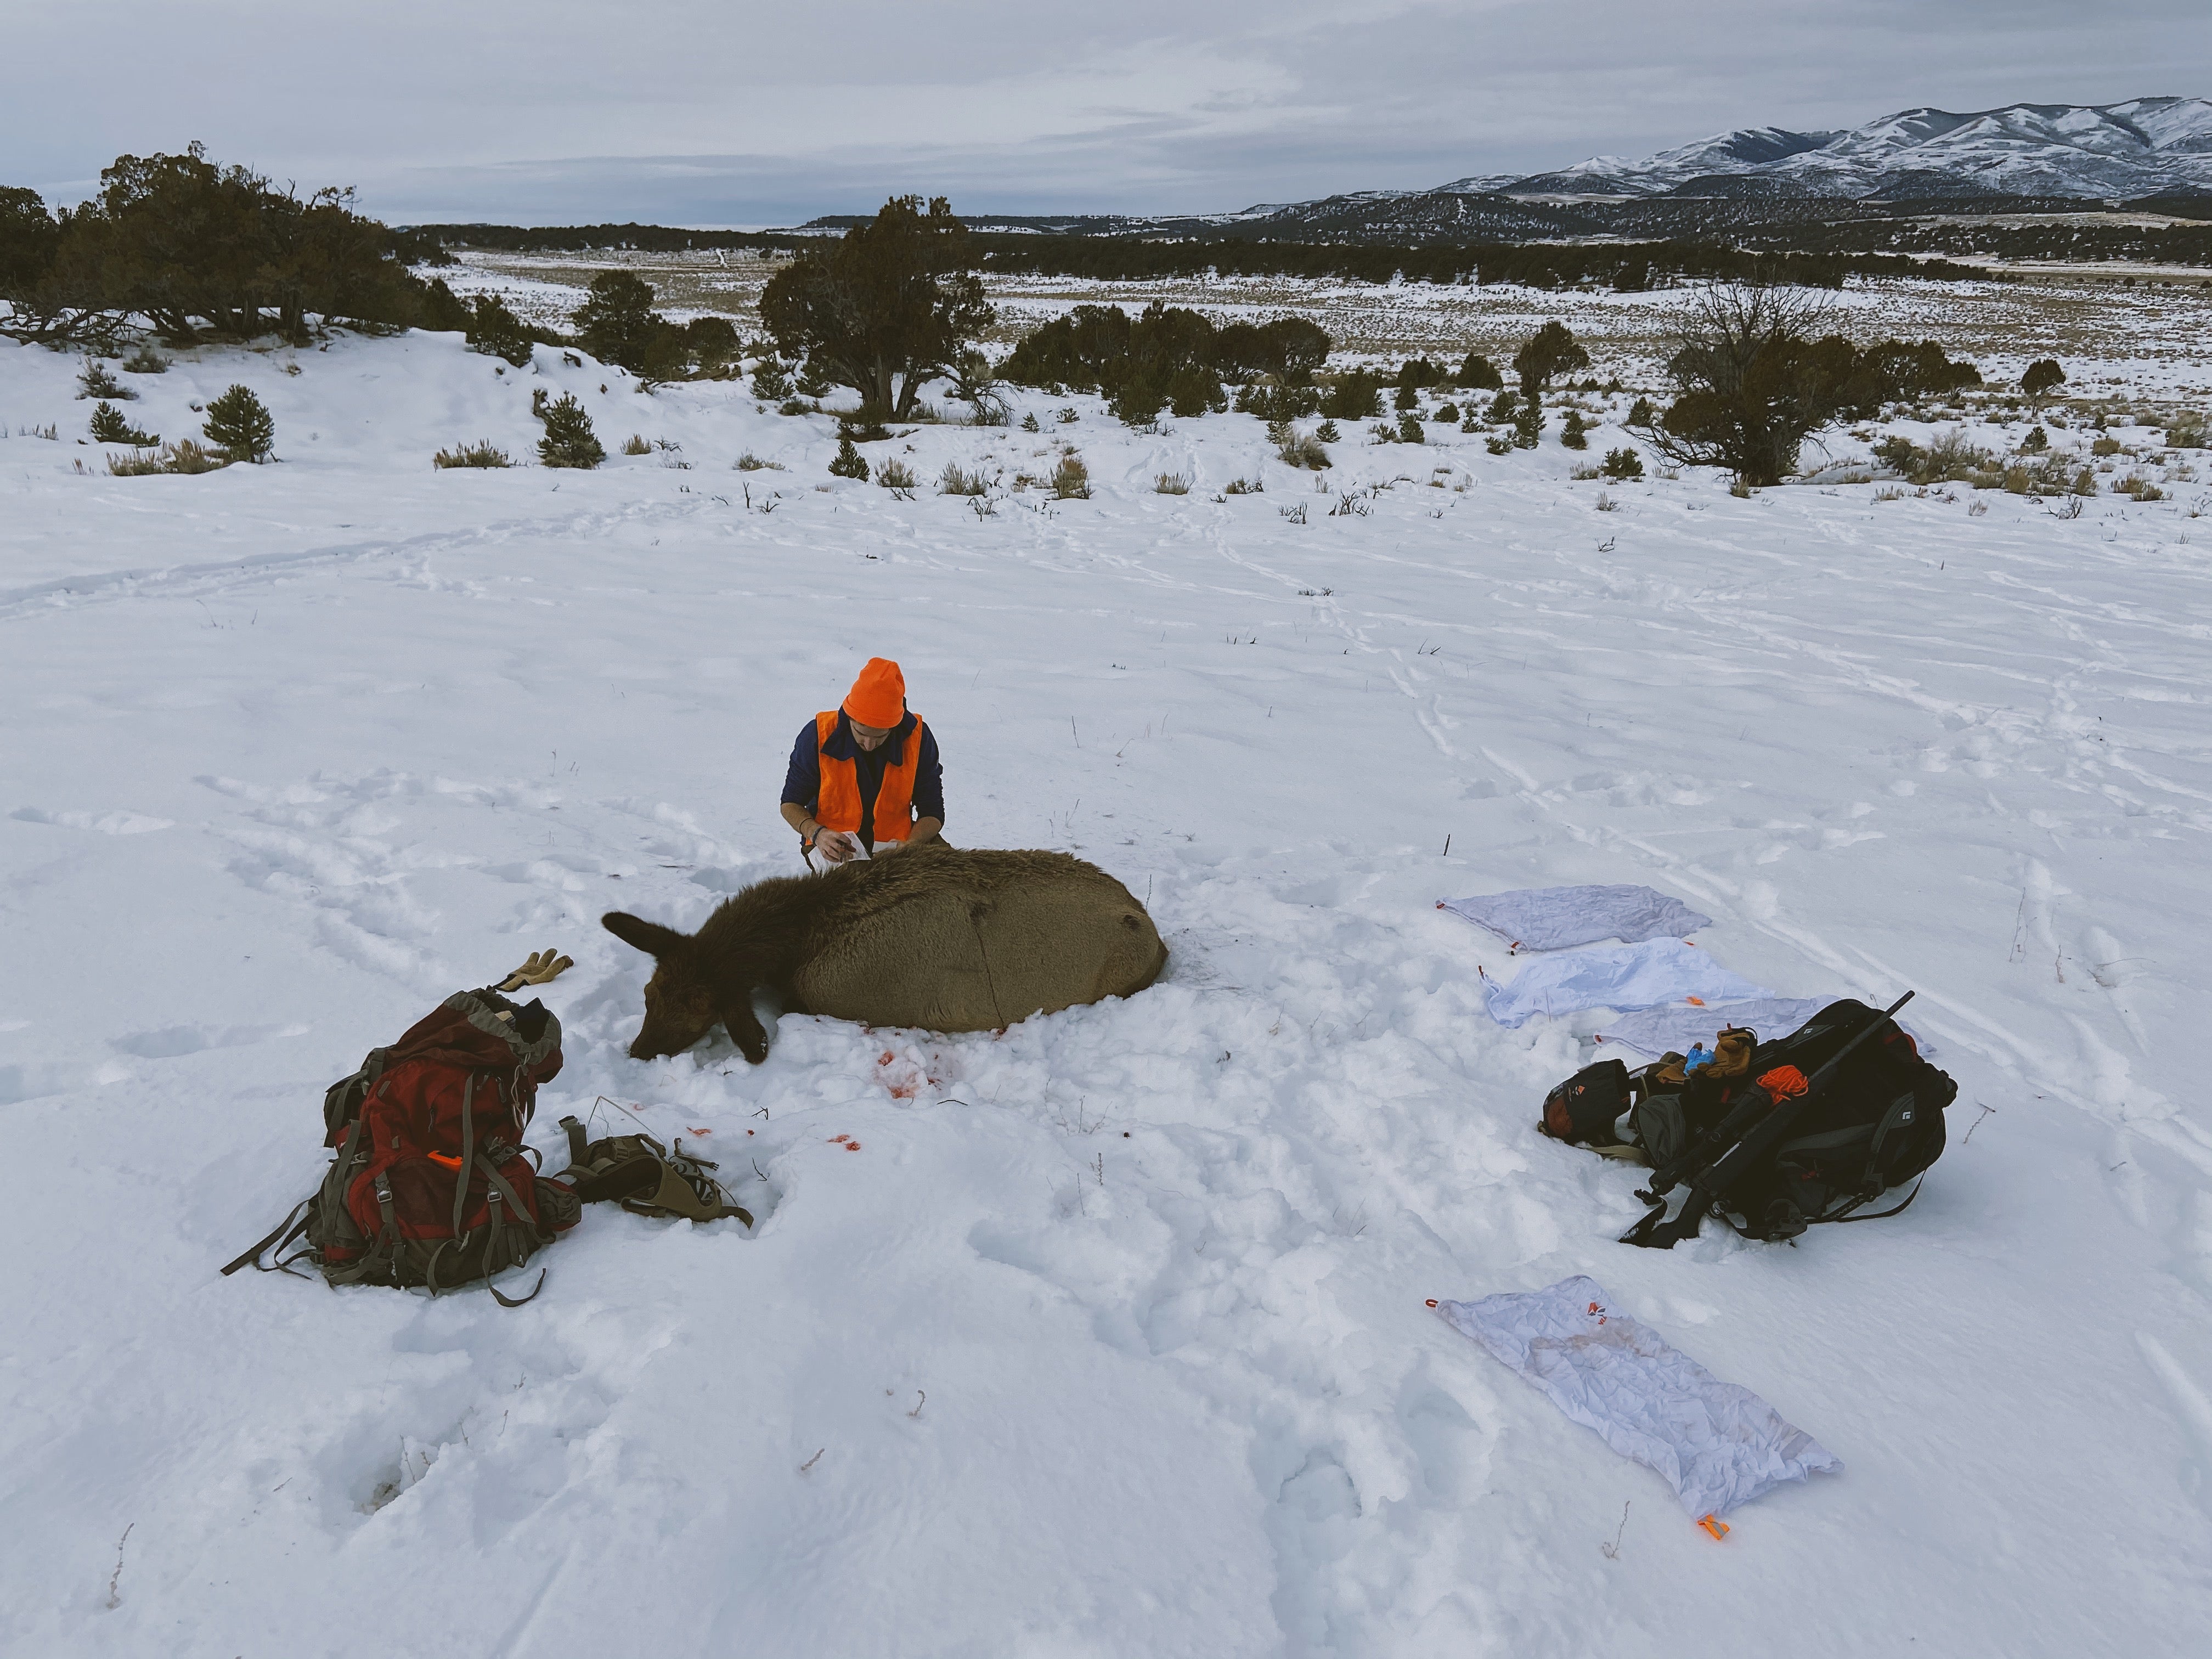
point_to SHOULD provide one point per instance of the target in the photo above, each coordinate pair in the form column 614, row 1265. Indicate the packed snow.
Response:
column 1110, row 1336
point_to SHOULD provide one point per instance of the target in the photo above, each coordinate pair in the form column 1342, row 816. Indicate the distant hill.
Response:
column 2022, row 158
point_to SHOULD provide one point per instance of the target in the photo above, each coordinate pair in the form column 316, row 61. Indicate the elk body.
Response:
column 936, row 938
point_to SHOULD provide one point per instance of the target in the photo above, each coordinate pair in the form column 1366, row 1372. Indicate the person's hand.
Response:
column 835, row 846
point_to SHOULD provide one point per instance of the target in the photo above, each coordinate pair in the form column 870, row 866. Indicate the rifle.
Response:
column 1715, row 1178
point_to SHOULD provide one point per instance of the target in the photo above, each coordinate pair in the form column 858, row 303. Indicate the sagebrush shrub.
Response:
column 239, row 424
column 483, row 454
column 895, row 475
column 957, row 480
column 1171, row 483
column 1071, row 479
column 636, row 445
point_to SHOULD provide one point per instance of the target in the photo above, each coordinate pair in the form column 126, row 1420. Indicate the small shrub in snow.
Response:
column 1171, row 483
column 750, row 462
column 1527, row 422
column 1406, row 398
column 1303, row 450
column 1499, row 444
column 496, row 331
column 1623, row 464
column 1071, row 479
column 145, row 360
column 848, row 462
column 1194, row 391
column 1029, row 422
column 1447, row 414
column 2036, row 442
column 1606, row 504
column 2106, row 445
column 182, row 456
column 794, row 406
column 1574, row 433
column 1355, row 397
column 1245, row 487
column 484, row 454
column 1479, row 374
column 771, row 383
column 636, row 445
column 1326, row 433
column 239, row 424
column 1066, row 417
column 895, row 475
column 108, row 426
column 1409, row 429
column 2140, row 488
column 569, row 440
column 957, row 480
column 1641, row 414
column 96, row 379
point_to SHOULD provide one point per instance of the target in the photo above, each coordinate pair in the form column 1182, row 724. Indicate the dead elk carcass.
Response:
column 939, row 939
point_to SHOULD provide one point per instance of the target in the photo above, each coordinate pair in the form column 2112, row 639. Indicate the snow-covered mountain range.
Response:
column 2140, row 148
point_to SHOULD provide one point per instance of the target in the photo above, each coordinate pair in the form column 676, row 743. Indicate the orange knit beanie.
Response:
column 878, row 696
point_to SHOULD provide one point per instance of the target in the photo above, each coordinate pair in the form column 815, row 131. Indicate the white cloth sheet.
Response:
column 1553, row 918
column 1673, row 1027
column 1628, row 976
column 1656, row 1031
column 1718, row 1446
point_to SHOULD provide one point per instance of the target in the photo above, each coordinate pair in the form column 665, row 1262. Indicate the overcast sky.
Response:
column 688, row 113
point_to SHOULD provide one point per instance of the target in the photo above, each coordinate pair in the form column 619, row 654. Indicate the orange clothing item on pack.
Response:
column 839, row 805
column 879, row 695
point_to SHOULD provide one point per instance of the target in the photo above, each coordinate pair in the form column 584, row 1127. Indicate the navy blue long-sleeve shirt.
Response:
column 802, row 782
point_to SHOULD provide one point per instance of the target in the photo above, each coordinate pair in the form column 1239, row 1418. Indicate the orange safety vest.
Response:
column 839, row 806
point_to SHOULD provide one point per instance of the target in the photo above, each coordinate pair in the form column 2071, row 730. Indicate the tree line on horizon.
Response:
column 205, row 251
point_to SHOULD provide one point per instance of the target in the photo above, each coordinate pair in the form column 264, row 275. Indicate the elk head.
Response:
column 683, row 999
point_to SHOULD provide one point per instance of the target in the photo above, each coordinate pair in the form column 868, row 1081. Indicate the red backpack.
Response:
column 432, row 1185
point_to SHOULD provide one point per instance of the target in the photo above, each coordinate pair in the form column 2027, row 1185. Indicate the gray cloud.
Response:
column 692, row 113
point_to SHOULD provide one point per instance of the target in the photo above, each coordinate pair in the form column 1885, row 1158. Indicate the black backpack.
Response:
column 1818, row 1125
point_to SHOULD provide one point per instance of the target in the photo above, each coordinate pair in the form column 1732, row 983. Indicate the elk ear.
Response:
column 649, row 936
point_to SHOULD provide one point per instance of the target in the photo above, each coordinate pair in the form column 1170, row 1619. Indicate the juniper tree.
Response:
column 1552, row 351
column 886, row 309
column 2044, row 376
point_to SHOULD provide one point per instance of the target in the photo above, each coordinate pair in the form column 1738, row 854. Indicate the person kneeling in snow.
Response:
column 865, row 775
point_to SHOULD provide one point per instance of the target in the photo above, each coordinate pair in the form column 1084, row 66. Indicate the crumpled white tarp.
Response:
column 1552, row 918
column 1656, row 1031
column 1629, row 976
column 1718, row 1446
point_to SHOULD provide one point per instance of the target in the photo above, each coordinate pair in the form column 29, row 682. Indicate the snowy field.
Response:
column 1109, row 1340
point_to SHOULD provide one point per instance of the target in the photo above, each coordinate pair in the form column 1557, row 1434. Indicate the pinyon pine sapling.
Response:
column 96, row 379
column 848, row 462
column 239, row 424
column 569, row 440
column 108, row 426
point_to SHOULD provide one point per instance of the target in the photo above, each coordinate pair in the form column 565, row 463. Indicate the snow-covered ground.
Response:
column 1111, row 1339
